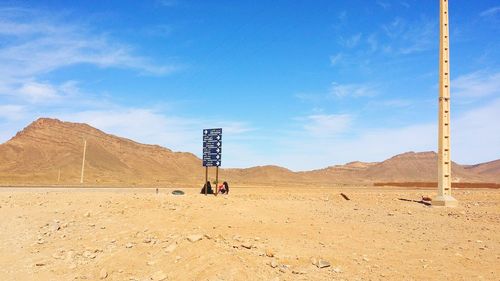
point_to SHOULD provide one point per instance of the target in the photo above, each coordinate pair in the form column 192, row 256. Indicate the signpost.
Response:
column 212, row 153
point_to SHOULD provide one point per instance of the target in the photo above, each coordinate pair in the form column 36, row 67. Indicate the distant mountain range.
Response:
column 49, row 151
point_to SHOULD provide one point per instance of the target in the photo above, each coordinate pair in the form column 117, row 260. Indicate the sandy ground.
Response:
column 252, row 234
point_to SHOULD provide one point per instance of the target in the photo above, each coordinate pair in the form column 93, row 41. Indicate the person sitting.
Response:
column 208, row 188
column 222, row 189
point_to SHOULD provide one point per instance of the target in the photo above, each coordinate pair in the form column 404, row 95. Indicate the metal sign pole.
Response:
column 216, row 180
column 206, row 180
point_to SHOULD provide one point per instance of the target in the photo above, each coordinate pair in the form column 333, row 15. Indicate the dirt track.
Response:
column 134, row 234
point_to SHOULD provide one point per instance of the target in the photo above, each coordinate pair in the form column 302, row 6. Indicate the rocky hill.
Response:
column 50, row 151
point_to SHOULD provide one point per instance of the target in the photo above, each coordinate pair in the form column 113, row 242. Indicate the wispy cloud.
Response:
column 491, row 12
column 351, row 41
column 352, row 90
column 335, row 59
column 476, row 85
column 385, row 5
column 328, row 125
column 12, row 112
column 38, row 42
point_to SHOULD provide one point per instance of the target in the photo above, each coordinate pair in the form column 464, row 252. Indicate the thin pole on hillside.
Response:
column 83, row 161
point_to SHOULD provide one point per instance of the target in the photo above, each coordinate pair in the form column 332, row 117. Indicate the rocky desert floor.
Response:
column 252, row 234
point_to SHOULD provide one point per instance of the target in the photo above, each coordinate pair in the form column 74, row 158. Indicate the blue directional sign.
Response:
column 212, row 147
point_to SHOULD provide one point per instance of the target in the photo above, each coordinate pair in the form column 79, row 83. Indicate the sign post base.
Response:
column 444, row 201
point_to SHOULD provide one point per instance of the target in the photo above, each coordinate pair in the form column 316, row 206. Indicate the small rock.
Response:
column 147, row 240
column 129, row 245
column 269, row 253
column 159, row 276
column 337, row 270
column 283, row 268
column 40, row 263
column 103, row 274
column 299, row 271
column 87, row 214
column 194, row 237
column 323, row 263
column 273, row 263
column 54, row 226
column 171, row 248
column 246, row 245
column 314, row 261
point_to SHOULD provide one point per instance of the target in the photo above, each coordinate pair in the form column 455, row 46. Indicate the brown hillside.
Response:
column 37, row 154
column 489, row 169
column 415, row 167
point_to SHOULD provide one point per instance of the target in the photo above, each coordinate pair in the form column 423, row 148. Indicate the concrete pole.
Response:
column 83, row 161
column 444, row 197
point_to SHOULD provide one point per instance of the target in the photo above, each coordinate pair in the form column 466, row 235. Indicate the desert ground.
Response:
column 252, row 234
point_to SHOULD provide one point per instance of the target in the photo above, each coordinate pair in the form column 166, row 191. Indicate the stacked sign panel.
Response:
column 212, row 147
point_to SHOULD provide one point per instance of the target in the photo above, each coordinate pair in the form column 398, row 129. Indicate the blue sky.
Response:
column 301, row 84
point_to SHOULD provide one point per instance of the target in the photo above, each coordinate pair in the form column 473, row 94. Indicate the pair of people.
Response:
column 223, row 188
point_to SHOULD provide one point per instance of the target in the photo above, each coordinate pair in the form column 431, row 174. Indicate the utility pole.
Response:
column 83, row 161
column 444, row 197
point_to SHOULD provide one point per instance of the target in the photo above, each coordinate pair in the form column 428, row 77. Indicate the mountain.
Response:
column 49, row 151
column 488, row 169
column 47, row 146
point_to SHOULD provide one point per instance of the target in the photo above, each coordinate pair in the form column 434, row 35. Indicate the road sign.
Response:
column 212, row 147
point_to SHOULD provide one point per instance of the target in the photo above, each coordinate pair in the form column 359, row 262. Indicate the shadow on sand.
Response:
column 416, row 201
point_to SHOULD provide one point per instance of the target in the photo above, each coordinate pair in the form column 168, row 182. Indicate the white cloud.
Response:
column 35, row 91
column 38, row 42
column 327, row 125
column 352, row 90
column 491, row 12
column 384, row 5
column 352, row 41
column 334, row 60
column 12, row 112
column 476, row 85
column 150, row 126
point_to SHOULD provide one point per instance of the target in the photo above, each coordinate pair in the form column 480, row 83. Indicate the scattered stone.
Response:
column 269, row 253
column 87, row 214
column 299, row 271
column 54, row 226
column 89, row 255
column 208, row 236
column 194, row 237
column 283, row 268
column 158, row 276
column 103, row 274
column 129, row 245
column 314, row 261
column 40, row 263
column 323, row 263
column 366, row 259
column 151, row 263
column 171, row 248
column 147, row 240
column 273, row 263
column 390, row 214
column 247, row 245
column 337, row 270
